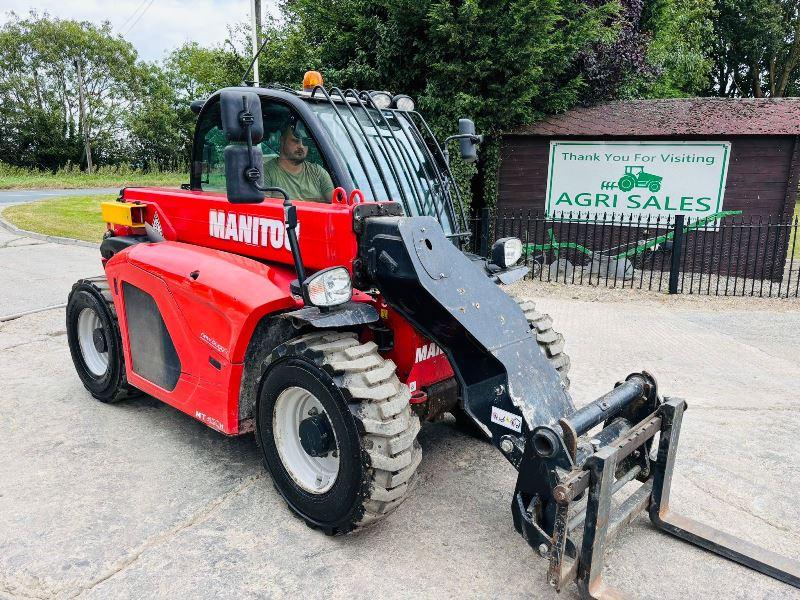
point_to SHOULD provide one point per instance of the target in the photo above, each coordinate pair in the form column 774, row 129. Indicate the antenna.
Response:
column 245, row 82
column 254, row 23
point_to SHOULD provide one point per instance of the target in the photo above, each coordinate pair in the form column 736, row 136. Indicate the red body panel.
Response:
column 212, row 316
column 419, row 361
column 207, row 219
column 216, row 277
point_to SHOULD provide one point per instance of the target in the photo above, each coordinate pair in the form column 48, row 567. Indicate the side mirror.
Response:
column 238, row 184
column 243, row 125
column 241, row 114
column 468, row 141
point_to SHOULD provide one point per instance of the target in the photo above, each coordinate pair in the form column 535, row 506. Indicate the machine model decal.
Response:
column 210, row 421
column 212, row 342
column 426, row 352
column 248, row 229
column 507, row 419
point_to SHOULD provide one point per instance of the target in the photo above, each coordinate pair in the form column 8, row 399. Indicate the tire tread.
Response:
column 102, row 289
column 550, row 341
column 380, row 404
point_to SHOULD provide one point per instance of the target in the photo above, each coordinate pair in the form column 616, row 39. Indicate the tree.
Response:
column 502, row 62
column 158, row 138
column 160, row 122
column 41, row 117
column 679, row 32
column 756, row 49
column 612, row 67
column 196, row 71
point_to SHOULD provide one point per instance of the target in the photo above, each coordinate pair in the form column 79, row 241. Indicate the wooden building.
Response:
column 762, row 176
column 566, row 163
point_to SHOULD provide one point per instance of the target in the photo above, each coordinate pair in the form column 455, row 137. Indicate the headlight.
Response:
column 329, row 287
column 403, row 102
column 506, row 252
column 381, row 100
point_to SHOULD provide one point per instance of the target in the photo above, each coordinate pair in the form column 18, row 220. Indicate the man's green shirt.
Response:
column 312, row 183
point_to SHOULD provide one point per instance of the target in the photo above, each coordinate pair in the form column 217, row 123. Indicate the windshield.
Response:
column 388, row 160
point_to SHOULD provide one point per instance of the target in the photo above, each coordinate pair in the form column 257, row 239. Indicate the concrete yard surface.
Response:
column 36, row 274
column 138, row 500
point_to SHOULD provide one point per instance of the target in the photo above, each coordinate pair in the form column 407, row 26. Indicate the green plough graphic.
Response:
column 618, row 264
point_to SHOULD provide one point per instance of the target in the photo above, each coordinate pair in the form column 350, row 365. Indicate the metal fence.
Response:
column 725, row 254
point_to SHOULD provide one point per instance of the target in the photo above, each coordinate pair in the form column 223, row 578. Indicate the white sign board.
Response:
column 655, row 179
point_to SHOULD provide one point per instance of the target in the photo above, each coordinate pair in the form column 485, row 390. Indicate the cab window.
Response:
column 277, row 119
column 211, row 163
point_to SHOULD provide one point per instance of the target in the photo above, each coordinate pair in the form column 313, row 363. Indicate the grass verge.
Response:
column 71, row 216
column 18, row 178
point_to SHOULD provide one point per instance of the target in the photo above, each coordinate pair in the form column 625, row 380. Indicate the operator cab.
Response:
column 369, row 141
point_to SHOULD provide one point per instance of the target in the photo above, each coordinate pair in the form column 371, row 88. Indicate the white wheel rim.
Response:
column 315, row 474
column 96, row 361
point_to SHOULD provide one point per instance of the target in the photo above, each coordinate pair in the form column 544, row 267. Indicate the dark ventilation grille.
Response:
column 152, row 351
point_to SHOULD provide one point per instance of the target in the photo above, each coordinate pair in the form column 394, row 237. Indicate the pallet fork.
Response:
column 599, row 478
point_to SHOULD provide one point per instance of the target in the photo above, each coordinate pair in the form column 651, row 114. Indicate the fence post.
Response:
column 484, row 242
column 675, row 266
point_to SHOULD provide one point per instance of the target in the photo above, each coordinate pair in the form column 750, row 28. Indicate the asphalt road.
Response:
column 17, row 196
column 139, row 500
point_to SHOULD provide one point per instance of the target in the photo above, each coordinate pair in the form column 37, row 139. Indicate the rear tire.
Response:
column 94, row 341
column 368, row 413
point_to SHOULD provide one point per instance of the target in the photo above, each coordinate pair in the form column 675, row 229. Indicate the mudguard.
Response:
column 210, row 302
column 111, row 245
column 348, row 314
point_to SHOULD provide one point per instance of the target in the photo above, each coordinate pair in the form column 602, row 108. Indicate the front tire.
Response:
column 357, row 464
column 551, row 344
column 94, row 341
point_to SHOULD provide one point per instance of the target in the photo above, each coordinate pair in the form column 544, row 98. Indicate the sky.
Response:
column 153, row 26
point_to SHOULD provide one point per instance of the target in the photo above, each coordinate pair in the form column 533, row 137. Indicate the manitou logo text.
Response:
column 248, row 229
column 426, row 352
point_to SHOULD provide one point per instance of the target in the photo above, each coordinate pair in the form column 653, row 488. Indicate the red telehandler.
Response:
column 331, row 329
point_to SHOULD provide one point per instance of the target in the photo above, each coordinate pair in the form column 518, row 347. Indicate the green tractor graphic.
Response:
column 635, row 176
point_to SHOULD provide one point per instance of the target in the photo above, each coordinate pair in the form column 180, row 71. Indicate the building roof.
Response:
column 681, row 116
